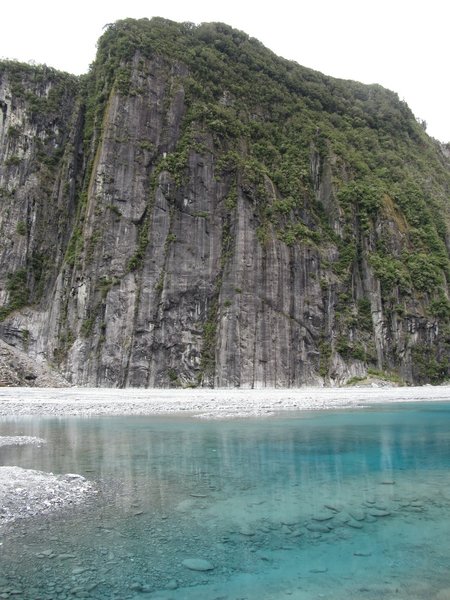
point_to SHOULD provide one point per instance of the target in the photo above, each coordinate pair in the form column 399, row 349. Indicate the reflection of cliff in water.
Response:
column 171, row 457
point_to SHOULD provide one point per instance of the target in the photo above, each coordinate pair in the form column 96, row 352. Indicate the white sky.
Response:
column 401, row 44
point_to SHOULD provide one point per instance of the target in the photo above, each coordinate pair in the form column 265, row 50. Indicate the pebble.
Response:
column 263, row 556
column 246, row 531
column 76, row 590
column 358, row 515
column 297, row 533
column 318, row 528
column 197, row 564
column 155, row 596
column 79, row 570
column 92, row 586
column 379, row 513
column 45, row 554
column 289, row 522
column 342, row 518
column 333, row 507
column 323, row 516
column 136, row 587
column 354, row 524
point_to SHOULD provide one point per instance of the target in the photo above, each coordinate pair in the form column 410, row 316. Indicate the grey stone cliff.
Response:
column 122, row 268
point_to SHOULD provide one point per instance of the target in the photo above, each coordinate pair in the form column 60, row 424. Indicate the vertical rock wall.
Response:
column 133, row 258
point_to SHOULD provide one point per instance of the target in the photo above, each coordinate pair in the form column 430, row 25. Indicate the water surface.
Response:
column 342, row 505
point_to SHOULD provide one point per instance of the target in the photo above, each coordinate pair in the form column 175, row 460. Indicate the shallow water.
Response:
column 342, row 505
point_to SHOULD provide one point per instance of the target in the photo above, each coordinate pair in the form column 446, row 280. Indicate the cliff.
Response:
column 199, row 211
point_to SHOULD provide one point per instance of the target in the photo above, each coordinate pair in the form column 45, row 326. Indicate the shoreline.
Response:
column 28, row 493
column 203, row 403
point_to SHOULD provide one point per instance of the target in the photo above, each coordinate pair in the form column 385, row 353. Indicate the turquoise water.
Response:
column 341, row 505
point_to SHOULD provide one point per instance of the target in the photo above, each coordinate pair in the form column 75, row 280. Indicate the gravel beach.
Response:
column 27, row 493
column 204, row 403
column 20, row 440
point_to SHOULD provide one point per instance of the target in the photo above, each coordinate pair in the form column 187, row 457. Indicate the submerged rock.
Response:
column 342, row 518
column 320, row 569
column 172, row 585
column 354, row 524
column 246, row 531
column 197, row 564
column 297, row 533
column 375, row 512
column 335, row 508
column 358, row 515
column 318, row 528
column 324, row 516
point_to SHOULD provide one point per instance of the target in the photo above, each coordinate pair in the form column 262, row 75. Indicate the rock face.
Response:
column 17, row 369
column 197, row 211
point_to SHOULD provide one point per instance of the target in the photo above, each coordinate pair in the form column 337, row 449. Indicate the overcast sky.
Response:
column 401, row 44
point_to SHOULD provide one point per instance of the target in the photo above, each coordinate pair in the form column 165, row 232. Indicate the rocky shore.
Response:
column 27, row 493
column 20, row 440
column 204, row 403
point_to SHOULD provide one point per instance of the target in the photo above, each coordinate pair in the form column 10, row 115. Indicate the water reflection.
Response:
column 300, row 506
